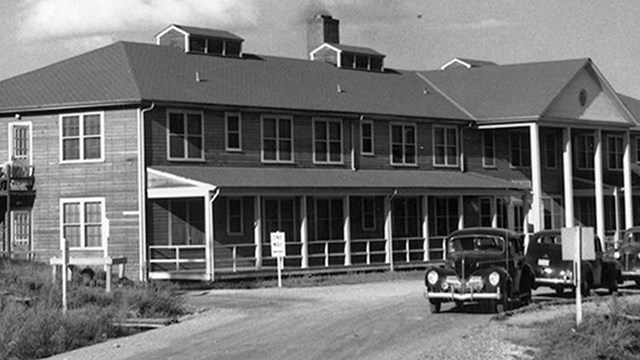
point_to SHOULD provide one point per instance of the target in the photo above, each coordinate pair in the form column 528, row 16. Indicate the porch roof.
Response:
column 292, row 178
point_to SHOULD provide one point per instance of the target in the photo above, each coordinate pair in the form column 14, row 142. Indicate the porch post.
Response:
column 257, row 230
column 536, row 177
column 346, row 229
column 628, row 186
column 494, row 212
column 599, row 182
column 208, row 234
column 567, row 171
column 388, row 231
column 425, row 226
column 460, row 212
column 304, row 233
column 511, row 216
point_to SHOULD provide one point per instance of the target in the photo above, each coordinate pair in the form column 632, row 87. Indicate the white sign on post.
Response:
column 279, row 251
column 577, row 245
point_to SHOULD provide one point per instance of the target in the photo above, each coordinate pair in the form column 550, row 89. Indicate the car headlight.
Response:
column 638, row 255
column 616, row 255
column 494, row 278
column 432, row 277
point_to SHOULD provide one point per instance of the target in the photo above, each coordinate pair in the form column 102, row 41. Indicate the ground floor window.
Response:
column 553, row 213
column 329, row 219
column 444, row 215
column 406, row 217
column 186, row 222
column 280, row 215
column 485, row 213
column 502, row 213
column 586, row 210
column 82, row 222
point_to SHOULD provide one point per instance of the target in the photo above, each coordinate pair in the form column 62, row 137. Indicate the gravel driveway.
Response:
column 388, row 320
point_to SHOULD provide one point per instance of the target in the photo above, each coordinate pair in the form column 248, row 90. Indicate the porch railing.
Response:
column 177, row 258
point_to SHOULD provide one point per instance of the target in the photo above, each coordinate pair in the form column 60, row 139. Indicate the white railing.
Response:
column 327, row 252
column 409, row 246
column 178, row 257
column 242, row 258
column 372, row 247
column 437, row 246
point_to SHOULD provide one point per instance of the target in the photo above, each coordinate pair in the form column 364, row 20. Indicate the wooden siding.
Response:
column 115, row 179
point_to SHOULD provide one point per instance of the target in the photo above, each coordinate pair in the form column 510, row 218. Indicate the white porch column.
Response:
column 511, row 214
column 628, row 186
column 425, row 226
column 599, row 183
column 208, row 235
column 304, row 233
column 346, row 229
column 388, row 231
column 257, row 230
column 536, row 178
column 567, row 171
column 494, row 212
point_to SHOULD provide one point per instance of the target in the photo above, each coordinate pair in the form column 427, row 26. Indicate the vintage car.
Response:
column 544, row 254
column 483, row 265
column 628, row 255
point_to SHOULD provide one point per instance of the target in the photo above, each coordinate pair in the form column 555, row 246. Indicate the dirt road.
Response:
column 366, row 321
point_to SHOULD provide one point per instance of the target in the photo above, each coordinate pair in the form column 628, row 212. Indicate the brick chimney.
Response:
column 322, row 28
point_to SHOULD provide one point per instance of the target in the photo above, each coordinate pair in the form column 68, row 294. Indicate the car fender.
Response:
column 525, row 275
column 506, row 281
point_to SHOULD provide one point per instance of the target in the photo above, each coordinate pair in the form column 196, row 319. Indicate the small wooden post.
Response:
column 65, row 263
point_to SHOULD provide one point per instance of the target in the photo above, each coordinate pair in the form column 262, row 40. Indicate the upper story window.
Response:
column 366, row 137
column 488, row 148
column 445, row 146
column 327, row 141
column 185, row 135
column 361, row 61
column 82, row 221
column 615, row 152
column 82, row 137
column 585, row 145
column 233, row 132
column 403, row 144
column 520, row 149
column 213, row 46
column 550, row 151
column 277, row 139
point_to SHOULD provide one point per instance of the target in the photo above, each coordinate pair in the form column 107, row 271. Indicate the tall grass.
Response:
column 37, row 328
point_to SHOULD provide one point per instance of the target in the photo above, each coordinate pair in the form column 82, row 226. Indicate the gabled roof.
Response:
column 354, row 49
column 191, row 30
column 468, row 63
column 126, row 72
column 506, row 91
column 633, row 105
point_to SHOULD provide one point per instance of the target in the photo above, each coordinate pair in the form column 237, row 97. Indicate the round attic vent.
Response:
column 582, row 97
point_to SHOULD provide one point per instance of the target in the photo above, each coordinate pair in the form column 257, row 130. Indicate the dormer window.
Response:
column 360, row 62
column 348, row 57
column 201, row 41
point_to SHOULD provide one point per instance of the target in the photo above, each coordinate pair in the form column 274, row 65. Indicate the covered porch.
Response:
column 212, row 223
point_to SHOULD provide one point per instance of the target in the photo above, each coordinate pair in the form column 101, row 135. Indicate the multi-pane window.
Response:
column 485, row 211
column 234, row 216
column 520, row 149
column 329, row 219
column 233, row 132
column 82, row 222
column 280, row 215
column 368, row 213
column 20, row 142
column 277, row 139
column 406, row 216
column 550, row 151
column 553, row 213
column 81, row 137
column 615, row 152
column 446, row 215
column 327, row 141
column 21, row 231
column 366, row 137
column 403, row 144
column 186, row 222
column 185, row 135
column 488, row 149
column 211, row 46
column 445, row 146
column 502, row 213
column 585, row 145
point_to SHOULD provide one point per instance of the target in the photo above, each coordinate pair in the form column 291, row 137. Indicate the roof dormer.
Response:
column 323, row 43
column 201, row 41
column 457, row 63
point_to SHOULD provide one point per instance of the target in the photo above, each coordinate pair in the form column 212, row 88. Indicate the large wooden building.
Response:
column 184, row 155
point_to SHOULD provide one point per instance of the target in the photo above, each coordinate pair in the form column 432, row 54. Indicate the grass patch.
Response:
column 33, row 326
column 602, row 335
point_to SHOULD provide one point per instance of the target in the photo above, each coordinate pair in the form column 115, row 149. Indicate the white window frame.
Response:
column 186, row 157
column 229, row 232
column 328, row 141
column 81, row 137
column 619, row 153
column 589, row 152
column 103, row 223
column 446, row 146
column 227, row 132
column 369, row 137
column 11, row 147
column 489, row 153
column 365, row 211
column 404, row 144
column 278, row 159
column 29, row 239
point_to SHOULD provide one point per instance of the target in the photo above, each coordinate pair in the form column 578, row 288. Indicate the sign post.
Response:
column 578, row 245
column 279, row 251
column 65, row 264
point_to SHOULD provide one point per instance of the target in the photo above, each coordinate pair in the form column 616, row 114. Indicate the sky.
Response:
column 413, row 34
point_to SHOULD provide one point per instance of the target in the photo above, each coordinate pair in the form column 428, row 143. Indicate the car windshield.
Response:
column 476, row 243
column 549, row 240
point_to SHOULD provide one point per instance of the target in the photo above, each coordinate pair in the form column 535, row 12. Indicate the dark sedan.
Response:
column 628, row 255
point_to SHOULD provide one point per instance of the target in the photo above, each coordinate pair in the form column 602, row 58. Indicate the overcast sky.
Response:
column 413, row 34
